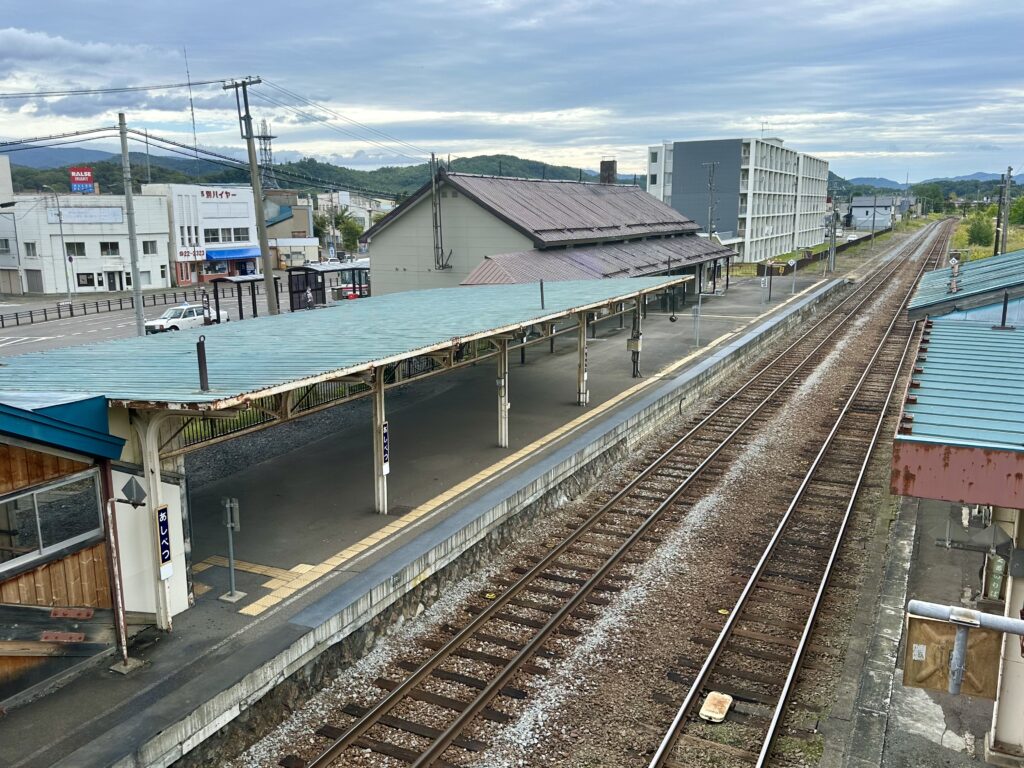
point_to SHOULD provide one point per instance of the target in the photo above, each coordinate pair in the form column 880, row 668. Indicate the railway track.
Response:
column 419, row 719
column 757, row 654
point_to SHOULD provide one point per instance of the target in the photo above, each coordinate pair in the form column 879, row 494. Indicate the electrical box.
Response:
column 633, row 345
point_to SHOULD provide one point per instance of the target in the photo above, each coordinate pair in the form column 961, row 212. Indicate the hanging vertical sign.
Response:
column 385, row 449
column 163, row 528
column 81, row 180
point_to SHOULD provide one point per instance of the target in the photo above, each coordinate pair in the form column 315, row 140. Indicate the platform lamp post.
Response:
column 63, row 245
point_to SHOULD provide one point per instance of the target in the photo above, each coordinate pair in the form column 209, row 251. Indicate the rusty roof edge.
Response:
column 247, row 397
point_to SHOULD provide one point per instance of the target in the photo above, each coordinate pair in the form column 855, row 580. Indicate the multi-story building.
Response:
column 761, row 198
column 212, row 230
column 78, row 243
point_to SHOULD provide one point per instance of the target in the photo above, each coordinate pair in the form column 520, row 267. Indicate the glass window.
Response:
column 241, row 234
column 99, row 278
column 36, row 523
column 110, row 249
column 75, row 249
column 149, row 247
column 5, row 246
column 654, row 179
column 654, row 157
column 86, row 279
column 128, row 278
column 211, row 235
column 163, row 271
column 30, row 249
column 225, row 235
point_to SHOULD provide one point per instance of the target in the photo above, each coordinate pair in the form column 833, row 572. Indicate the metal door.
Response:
column 34, row 280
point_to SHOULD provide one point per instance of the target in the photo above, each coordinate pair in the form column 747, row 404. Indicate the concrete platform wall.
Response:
column 345, row 624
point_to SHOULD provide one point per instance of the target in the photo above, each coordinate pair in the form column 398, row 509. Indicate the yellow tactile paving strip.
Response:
column 285, row 583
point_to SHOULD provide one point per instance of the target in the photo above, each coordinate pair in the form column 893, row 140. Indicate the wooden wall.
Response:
column 78, row 579
column 23, row 467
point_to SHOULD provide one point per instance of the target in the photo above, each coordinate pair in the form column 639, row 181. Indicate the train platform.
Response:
column 317, row 564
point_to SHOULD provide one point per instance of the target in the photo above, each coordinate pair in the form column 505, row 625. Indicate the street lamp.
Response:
column 63, row 246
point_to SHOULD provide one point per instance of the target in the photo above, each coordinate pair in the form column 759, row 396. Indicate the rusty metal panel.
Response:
column 929, row 645
column 956, row 473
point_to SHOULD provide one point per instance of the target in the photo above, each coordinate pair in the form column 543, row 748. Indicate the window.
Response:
column 149, row 247
column 5, row 246
column 654, row 157
column 163, row 271
column 211, row 235
column 75, row 249
column 128, row 279
column 110, row 249
column 654, row 179
column 225, row 235
column 241, row 234
column 30, row 250
column 99, row 278
column 86, row 279
column 36, row 523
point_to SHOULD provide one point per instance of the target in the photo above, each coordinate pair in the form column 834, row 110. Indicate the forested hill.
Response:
column 303, row 174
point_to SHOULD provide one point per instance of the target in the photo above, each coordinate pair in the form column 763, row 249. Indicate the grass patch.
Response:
column 1014, row 241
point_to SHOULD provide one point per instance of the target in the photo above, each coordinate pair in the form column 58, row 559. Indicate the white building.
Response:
column 212, row 230
column 79, row 244
column 876, row 212
column 761, row 198
column 362, row 207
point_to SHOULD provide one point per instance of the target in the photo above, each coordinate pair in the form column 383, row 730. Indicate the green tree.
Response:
column 980, row 231
column 351, row 229
column 1017, row 211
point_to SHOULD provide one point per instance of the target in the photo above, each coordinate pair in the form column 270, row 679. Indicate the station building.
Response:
column 446, row 229
column 961, row 440
column 78, row 243
column 211, row 230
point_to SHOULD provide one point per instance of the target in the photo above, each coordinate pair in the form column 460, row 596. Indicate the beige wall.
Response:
column 402, row 255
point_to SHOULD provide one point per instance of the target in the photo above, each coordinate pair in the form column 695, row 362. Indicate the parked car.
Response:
column 851, row 238
column 179, row 318
column 332, row 262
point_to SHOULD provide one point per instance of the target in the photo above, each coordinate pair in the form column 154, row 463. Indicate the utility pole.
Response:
column 133, row 240
column 1006, row 205
column 245, row 125
column 997, row 240
column 711, row 196
column 63, row 245
column 874, row 212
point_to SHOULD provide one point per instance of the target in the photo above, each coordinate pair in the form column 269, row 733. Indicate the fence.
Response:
column 63, row 309
column 783, row 268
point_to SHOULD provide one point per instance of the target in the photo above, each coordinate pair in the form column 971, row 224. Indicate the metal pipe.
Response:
column 542, row 294
column 204, row 375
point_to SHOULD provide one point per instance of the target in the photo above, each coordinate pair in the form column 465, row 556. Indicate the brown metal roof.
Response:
column 553, row 213
column 631, row 259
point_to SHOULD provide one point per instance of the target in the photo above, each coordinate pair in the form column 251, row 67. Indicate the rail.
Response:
column 663, row 756
column 763, row 385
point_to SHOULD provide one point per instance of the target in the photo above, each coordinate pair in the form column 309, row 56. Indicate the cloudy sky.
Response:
column 879, row 88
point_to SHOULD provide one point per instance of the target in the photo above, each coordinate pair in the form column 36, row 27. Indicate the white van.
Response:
column 179, row 318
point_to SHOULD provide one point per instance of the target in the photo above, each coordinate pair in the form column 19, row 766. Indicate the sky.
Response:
column 924, row 88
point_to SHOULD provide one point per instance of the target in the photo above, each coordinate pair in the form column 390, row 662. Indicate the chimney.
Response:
column 609, row 171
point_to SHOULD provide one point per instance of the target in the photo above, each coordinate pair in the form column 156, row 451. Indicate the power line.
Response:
column 347, row 119
column 84, row 132
column 90, row 91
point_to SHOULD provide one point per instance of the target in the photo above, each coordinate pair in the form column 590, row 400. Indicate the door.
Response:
column 34, row 280
column 112, row 281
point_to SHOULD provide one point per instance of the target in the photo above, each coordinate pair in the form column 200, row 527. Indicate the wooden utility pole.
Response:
column 245, row 125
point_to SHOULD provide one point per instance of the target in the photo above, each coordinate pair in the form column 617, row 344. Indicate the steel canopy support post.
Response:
column 503, row 403
column 381, row 446
column 147, row 428
column 582, row 393
column 238, row 293
column 252, row 294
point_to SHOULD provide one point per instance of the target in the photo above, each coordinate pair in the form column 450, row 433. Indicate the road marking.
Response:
column 382, row 536
column 10, row 341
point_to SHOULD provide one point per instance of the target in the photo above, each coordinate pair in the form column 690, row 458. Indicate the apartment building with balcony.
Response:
column 761, row 198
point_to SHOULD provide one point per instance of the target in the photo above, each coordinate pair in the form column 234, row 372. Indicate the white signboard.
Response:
column 89, row 215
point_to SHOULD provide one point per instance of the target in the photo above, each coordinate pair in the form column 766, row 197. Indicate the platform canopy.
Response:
column 976, row 283
column 961, row 434
column 269, row 355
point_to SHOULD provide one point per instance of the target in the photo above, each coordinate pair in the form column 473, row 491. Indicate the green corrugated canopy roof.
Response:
column 979, row 282
column 268, row 354
column 970, row 391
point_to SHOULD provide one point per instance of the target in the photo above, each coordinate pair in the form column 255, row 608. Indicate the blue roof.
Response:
column 979, row 282
column 77, row 425
column 283, row 214
column 969, row 391
column 271, row 354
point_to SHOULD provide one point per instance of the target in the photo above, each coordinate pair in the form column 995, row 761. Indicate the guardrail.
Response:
column 65, row 309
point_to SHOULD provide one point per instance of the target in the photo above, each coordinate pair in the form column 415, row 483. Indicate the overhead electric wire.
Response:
column 85, row 132
column 327, row 124
column 56, row 143
column 347, row 119
column 90, row 91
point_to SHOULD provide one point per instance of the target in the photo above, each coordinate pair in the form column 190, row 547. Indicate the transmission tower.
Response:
column 267, row 177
